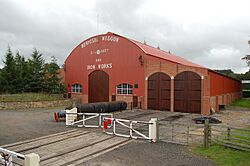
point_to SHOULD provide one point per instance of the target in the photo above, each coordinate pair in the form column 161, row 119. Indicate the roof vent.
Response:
column 158, row 47
column 145, row 42
column 109, row 33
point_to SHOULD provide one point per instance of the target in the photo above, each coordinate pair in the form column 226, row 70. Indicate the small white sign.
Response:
column 100, row 66
column 99, row 51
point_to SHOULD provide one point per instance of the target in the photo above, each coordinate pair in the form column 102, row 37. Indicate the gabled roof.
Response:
column 149, row 50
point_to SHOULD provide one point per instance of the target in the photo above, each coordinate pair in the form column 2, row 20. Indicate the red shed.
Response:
column 110, row 67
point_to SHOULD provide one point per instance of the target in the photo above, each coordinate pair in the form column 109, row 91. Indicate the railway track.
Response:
column 71, row 147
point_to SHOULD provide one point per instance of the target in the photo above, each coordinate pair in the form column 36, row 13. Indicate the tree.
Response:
column 247, row 57
column 35, row 72
column 21, row 73
column 8, row 73
column 33, row 75
column 51, row 80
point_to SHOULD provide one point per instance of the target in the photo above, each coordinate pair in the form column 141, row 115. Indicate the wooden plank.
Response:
column 55, row 147
column 44, row 141
column 232, row 143
column 233, row 146
column 51, row 151
column 80, row 154
column 103, row 151
column 73, row 145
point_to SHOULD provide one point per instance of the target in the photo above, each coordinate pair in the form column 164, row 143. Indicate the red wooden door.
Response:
column 98, row 86
column 159, row 91
column 187, row 92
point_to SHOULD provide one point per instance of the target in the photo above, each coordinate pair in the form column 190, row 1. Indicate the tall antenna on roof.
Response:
column 145, row 41
column 158, row 47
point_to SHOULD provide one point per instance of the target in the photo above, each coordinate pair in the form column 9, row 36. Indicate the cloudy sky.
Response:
column 213, row 33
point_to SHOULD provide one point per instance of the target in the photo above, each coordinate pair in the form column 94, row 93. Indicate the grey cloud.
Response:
column 56, row 32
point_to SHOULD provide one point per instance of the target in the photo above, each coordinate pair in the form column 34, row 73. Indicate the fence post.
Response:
column 130, row 129
column 83, row 119
column 206, row 133
column 100, row 120
column 31, row 160
column 153, row 129
column 172, row 132
column 228, row 133
column 71, row 117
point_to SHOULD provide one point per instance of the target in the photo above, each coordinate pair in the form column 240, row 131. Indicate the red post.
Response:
column 56, row 117
column 105, row 125
column 109, row 121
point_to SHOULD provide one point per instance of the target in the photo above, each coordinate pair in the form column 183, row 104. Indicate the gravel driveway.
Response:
column 147, row 154
column 19, row 125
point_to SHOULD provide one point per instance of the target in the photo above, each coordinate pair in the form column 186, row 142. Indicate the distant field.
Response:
column 243, row 102
column 30, row 97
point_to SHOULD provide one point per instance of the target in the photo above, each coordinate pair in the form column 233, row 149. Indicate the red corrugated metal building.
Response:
column 110, row 67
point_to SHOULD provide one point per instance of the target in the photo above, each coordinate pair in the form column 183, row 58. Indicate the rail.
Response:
column 84, row 117
column 6, row 158
column 152, row 132
column 236, row 138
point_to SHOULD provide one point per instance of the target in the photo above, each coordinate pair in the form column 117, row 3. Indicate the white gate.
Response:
column 152, row 128
column 71, row 119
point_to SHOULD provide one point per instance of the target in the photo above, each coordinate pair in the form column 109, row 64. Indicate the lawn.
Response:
column 243, row 102
column 224, row 156
column 30, row 97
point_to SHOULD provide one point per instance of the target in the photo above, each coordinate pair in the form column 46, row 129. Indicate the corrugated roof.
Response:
column 164, row 55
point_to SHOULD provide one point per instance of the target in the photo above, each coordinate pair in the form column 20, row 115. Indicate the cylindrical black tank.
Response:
column 102, row 107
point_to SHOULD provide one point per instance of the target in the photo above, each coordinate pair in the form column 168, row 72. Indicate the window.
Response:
column 124, row 89
column 76, row 88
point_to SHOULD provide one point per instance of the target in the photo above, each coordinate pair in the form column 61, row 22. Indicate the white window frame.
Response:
column 76, row 88
column 124, row 89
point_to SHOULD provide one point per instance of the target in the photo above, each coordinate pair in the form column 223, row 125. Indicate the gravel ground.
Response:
column 147, row 154
column 234, row 116
column 19, row 125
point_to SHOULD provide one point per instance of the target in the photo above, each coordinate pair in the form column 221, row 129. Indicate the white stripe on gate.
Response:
column 72, row 122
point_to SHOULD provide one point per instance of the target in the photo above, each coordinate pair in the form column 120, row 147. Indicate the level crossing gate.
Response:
column 120, row 127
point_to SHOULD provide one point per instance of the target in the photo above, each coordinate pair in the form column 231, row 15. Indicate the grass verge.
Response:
column 243, row 102
column 30, row 97
column 224, row 156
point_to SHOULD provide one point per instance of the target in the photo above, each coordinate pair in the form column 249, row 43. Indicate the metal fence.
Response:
column 185, row 134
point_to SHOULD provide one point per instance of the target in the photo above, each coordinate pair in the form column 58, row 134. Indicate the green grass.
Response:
column 243, row 102
column 30, row 97
column 224, row 156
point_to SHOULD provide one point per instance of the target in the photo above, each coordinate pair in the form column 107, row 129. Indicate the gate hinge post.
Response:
column 32, row 160
column 153, row 130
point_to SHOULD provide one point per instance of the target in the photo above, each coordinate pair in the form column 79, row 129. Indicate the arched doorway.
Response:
column 187, row 92
column 98, row 86
column 159, row 91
